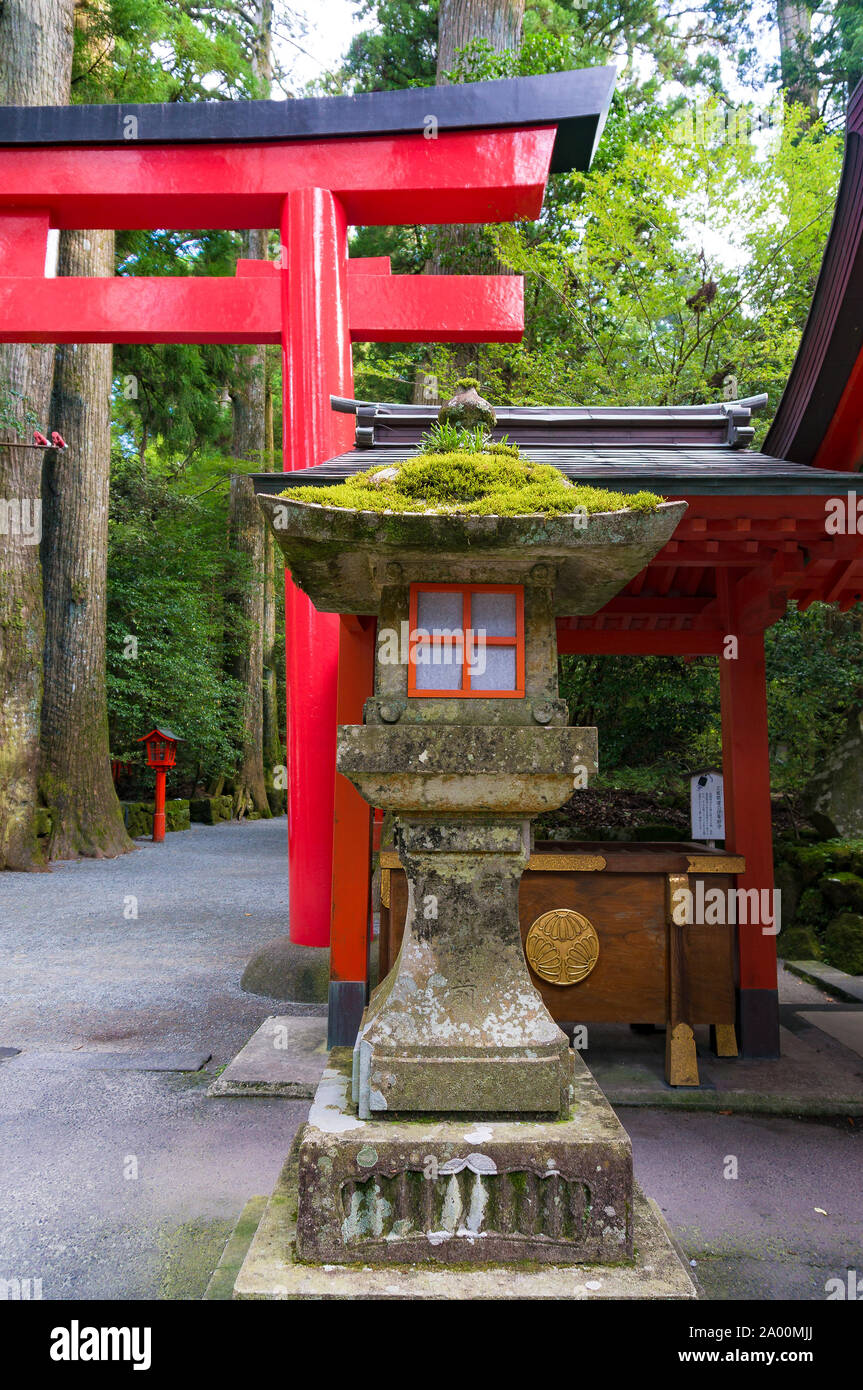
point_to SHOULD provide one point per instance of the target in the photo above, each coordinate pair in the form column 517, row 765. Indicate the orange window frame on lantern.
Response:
column 513, row 641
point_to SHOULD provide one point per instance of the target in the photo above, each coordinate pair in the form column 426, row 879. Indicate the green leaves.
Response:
column 684, row 269
column 166, row 575
column 447, row 438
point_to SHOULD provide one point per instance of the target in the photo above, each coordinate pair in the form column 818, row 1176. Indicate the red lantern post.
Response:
column 161, row 754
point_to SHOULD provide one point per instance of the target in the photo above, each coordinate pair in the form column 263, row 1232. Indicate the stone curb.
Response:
column 828, row 979
column 223, row 1278
column 740, row 1103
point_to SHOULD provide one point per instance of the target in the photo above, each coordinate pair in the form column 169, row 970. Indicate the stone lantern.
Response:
column 465, row 740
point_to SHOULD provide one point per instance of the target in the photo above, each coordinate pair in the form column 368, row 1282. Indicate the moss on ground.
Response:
column 843, row 943
column 472, row 484
column 190, row 1253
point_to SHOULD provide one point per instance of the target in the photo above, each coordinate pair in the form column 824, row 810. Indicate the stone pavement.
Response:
column 829, row 979
column 285, row 1057
column 123, row 1182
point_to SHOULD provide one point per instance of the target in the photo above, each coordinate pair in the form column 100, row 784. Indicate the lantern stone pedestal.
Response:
column 413, row 1209
column 462, row 1130
column 458, row 1025
column 460, row 1190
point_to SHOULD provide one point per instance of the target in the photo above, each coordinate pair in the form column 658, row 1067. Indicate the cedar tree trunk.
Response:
column 36, row 41
column 76, row 775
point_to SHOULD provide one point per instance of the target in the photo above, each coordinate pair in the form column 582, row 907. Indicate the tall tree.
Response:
column 461, row 22
column 75, row 779
column 246, row 538
column 497, row 24
column 246, row 525
column 799, row 74
column 272, row 740
column 36, row 44
column 76, row 783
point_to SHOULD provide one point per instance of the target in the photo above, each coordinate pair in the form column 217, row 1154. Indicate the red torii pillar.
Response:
column 316, row 362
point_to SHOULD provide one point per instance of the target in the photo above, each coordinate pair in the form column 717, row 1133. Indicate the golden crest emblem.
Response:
column 562, row 947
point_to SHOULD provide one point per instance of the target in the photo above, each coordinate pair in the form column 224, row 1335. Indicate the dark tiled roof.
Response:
column 725, row 423
column 692, row 472
column 675, row 450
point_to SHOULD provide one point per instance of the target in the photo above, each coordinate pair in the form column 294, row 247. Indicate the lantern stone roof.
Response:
column 161, row 731
column 760, row 530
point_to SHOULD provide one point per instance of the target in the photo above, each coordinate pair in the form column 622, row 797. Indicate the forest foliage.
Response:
column 679, row 269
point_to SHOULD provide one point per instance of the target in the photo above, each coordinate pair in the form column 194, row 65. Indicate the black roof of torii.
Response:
column 576, row 102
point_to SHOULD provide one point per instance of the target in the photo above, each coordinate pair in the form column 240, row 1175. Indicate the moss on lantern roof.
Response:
column 471, row 484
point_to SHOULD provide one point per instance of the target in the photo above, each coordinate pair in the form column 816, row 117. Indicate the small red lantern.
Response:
column 161, row 754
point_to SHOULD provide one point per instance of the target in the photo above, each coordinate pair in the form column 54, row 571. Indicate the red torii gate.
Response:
column 310, row 168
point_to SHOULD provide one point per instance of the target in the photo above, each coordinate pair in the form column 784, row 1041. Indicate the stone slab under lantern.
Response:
column 463, row 1189
column 335, row 1242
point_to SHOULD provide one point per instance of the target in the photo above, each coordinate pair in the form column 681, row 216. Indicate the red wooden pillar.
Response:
column 349, row 944
column 316, row 361
column 159, row 808
column 748, row 831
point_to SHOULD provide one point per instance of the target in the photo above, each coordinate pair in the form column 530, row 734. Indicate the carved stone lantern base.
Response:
column 452, row 1190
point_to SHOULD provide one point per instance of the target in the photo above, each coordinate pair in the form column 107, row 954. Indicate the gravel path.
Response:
column 123, row 1183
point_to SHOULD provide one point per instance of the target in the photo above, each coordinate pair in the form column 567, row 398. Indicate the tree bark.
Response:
column 260, row 16
column 246, row 538
column 36, row 41
column 246, row 524
column 76, row 775
column 272, row 740
column 247, row 666
column 461, row 21
column 799, row 80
